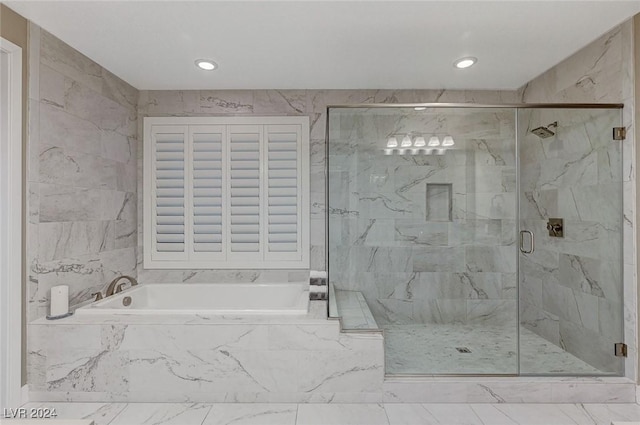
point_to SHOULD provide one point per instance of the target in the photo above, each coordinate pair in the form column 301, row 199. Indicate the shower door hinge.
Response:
column 620, row 349
column 619, row 133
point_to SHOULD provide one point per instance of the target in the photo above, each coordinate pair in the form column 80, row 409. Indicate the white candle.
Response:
column 59, row 300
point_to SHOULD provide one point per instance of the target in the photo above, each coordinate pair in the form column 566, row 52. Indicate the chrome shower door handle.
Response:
column 524, row 251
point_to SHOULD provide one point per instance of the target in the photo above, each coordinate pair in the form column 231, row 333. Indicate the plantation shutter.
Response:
column 245, row 148
column 283, row 189
column 168, row 162
column 208, row 191
column 226, row 192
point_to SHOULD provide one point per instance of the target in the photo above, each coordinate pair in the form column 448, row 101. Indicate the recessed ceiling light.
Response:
column 206, row 64
column 465, row 62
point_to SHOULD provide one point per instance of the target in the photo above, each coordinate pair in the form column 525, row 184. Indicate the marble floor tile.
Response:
column 252, row 414
column 408, row 414
column 549, row 414
column 613, row 412
column 162, row 414
column 453, row 414
column 489, row 414
column 431, row 349
column 99, row 413
column 341, row 414
column 49, row 422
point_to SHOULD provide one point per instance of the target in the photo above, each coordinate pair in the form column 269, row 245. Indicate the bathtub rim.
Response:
column 94, row 308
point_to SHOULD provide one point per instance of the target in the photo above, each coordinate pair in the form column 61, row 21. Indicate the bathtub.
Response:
column 206, row 299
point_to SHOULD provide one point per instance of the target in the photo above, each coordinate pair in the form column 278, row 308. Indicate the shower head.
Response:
column 544, row 132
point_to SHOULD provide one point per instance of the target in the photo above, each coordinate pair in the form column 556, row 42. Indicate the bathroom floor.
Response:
column 432, row 349
column 344, row 414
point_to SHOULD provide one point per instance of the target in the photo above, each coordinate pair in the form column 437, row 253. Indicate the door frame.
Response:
column 11, row 235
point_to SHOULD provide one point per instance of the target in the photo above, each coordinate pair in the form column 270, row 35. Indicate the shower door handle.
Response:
column 524, row 251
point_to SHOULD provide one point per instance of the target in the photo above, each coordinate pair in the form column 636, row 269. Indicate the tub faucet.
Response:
column 113, row 288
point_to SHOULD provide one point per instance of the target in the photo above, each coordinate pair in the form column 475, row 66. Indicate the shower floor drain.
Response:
column 463, row 350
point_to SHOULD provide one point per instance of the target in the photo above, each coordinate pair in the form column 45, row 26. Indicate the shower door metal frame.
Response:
column 478, row 105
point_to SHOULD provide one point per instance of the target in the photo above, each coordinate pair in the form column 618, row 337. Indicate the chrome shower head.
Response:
column 544, row 132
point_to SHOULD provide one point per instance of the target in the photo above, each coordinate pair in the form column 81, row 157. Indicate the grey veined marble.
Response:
column 82, row 174
column 424, row 238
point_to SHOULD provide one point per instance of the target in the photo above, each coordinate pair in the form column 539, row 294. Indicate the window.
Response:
column 226, row 192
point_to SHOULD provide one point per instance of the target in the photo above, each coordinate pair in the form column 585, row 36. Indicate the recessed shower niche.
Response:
column 439, row 202
column 433, row 243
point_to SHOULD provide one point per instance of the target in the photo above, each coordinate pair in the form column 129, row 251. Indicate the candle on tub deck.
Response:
column 59, row 300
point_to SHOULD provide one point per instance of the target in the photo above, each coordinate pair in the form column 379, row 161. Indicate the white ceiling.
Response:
column 327, row 44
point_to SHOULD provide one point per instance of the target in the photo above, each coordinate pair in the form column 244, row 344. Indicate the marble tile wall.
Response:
column 312, row 103
column 386, row 237
column 81, row 170
column 224, row 362
column 573, row 289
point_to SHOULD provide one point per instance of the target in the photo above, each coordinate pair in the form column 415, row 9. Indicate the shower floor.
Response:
column 432, row 349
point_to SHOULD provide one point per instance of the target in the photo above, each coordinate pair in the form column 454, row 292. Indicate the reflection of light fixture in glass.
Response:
column 448, row 141
column 388, row 151
column 419, row 142
column 439, row 151
column 434, row 141
column 419, row 108
column 392, row 142
column 406, row 141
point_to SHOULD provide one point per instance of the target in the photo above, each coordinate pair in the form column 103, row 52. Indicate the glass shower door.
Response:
column 422, row 234
column 570, row 261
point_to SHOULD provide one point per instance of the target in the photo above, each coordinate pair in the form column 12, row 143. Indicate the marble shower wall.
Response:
column 312, row 103
column 564, row 273
column 81, row 170
column 571, row 288
column 425, row 238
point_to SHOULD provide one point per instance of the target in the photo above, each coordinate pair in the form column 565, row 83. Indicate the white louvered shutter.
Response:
column 245, row 149
column 168, row 162
column 208, row 192
column 283, row 212
column 226, row 192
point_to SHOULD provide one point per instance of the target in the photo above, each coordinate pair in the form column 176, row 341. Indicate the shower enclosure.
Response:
column 479, row 239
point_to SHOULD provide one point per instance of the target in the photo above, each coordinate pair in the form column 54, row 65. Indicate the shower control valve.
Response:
column 555, row 226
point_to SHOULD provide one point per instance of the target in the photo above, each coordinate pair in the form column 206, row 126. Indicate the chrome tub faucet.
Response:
column 114, row 288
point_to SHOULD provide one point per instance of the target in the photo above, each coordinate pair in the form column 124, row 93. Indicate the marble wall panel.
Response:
column 214, row 362
column 455, row 211
column 583, row 176
column 313, row 103
column 82, row 174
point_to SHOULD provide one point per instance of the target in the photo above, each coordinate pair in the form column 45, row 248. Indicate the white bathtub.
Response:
column 206, row 299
